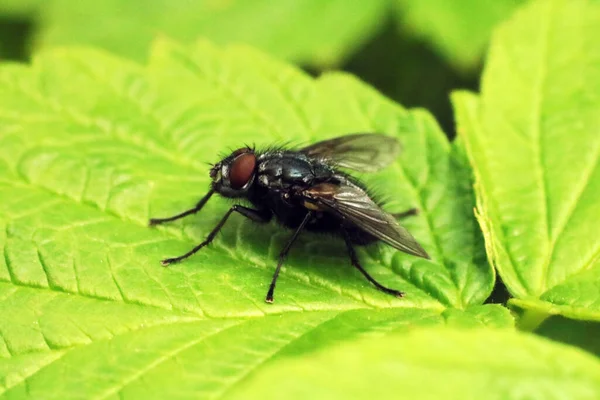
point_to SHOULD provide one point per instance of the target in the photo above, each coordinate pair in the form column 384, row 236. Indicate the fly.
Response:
column 305, row 189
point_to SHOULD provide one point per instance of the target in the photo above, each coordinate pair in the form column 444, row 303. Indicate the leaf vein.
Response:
column 262, row 362
column 536, row 119
column 159, row 360
column 198, row 71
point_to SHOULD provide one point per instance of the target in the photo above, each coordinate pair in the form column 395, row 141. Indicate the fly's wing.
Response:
column 366, row 152
column 354, row 205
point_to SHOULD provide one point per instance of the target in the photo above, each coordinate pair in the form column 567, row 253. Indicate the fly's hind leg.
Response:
column 407, row 213
column 356, row 263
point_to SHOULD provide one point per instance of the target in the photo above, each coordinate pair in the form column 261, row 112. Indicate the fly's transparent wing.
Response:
column 366, row 152
column 354, row 205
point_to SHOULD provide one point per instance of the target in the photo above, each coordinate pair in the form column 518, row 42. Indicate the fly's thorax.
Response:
column 282, row 170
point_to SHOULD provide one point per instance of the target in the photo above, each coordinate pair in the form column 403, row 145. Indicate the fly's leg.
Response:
column 407, row 213
column 356, row 263
column 262, row 216
column 198, row 207
column 283, row 255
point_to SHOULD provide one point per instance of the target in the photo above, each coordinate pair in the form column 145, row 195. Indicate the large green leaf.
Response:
column 91, row 146
column 436, row 363
column 140, row 352
column 19, row 7
column 309, row 31
column 459, row 29
column 534, row 139
column 583, row 334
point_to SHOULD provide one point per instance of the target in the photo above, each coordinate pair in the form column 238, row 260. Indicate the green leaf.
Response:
column 19, row 7
column 583, row 334
column 307, row 31
column 91, row 146
column 458, row 29
column 434, row 364
column 533, row 139
column 150, row 356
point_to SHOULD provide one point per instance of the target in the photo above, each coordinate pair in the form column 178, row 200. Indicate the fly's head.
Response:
column 233, row 176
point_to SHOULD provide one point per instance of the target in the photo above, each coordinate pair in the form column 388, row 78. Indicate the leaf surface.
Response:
column 583, row 334
column 92, row 146
column 533, row 137
column 19, row 7
column 436, row 363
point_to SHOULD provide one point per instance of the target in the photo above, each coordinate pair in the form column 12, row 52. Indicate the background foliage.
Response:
column 413, row 51
column 122, row 103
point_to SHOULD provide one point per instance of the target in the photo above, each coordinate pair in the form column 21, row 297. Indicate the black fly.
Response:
column 304, row 189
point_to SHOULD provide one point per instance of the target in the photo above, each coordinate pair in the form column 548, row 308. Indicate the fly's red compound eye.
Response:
column 241, row 170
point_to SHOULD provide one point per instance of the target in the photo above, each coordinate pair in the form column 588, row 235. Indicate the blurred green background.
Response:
column 414, row 51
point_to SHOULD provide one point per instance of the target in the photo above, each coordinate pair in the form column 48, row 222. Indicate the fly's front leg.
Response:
column 198, row 207
column 262, row 216
column 283, row 255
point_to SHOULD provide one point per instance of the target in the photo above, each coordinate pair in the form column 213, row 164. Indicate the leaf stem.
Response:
column 530, row 320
